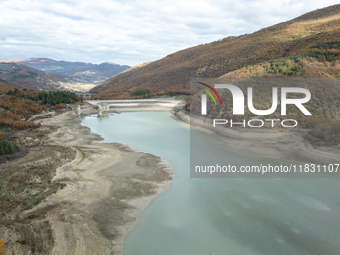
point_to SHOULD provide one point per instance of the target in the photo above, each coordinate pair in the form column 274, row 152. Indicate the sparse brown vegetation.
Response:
column 327, row 132
column 2, row 247
column 61, row 106
column 24, row 183
column 3, row 136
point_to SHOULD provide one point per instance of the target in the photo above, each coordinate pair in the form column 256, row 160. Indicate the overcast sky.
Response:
column 132, row 32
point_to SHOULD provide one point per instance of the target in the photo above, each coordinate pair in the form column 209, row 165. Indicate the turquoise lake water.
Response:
column 222, row 216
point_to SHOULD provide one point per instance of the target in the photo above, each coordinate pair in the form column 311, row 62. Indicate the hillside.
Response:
column 79, row 71
column 26, row 77
column 314, row 34
column 5, row 86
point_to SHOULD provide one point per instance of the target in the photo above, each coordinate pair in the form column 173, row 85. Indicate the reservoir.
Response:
column 222, row 216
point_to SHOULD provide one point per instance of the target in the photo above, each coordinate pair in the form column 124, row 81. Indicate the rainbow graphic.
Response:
column 209, row 93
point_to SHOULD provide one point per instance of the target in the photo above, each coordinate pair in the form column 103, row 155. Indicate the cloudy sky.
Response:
column 132, row 32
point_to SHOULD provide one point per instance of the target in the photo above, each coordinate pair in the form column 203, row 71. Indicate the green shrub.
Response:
column 142, row 92
column 7, row 147
column 284, row 66
column 328, row 45
column 315, row 54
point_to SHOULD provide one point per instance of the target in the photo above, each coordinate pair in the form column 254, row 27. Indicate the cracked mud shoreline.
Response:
column 107, row 184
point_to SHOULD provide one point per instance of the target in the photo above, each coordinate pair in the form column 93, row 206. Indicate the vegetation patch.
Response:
column 284, row 66
column 23, row 76
column 2, row 247
column 296, row 36
column 17, row 105
column 142, row 93
column 7, row 147
column 329, row 56
column 325, row 133
column 328, row 45
column 51, row 98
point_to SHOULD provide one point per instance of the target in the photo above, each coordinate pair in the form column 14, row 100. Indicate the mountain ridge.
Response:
column 83, row 72
column 29, row 78
column 171, row 74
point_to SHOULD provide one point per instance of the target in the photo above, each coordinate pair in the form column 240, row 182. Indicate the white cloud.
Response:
column 132, row 32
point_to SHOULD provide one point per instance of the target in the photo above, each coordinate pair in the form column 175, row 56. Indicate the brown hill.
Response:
column 30, row 78
column 307, row 34
column 80, row 71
